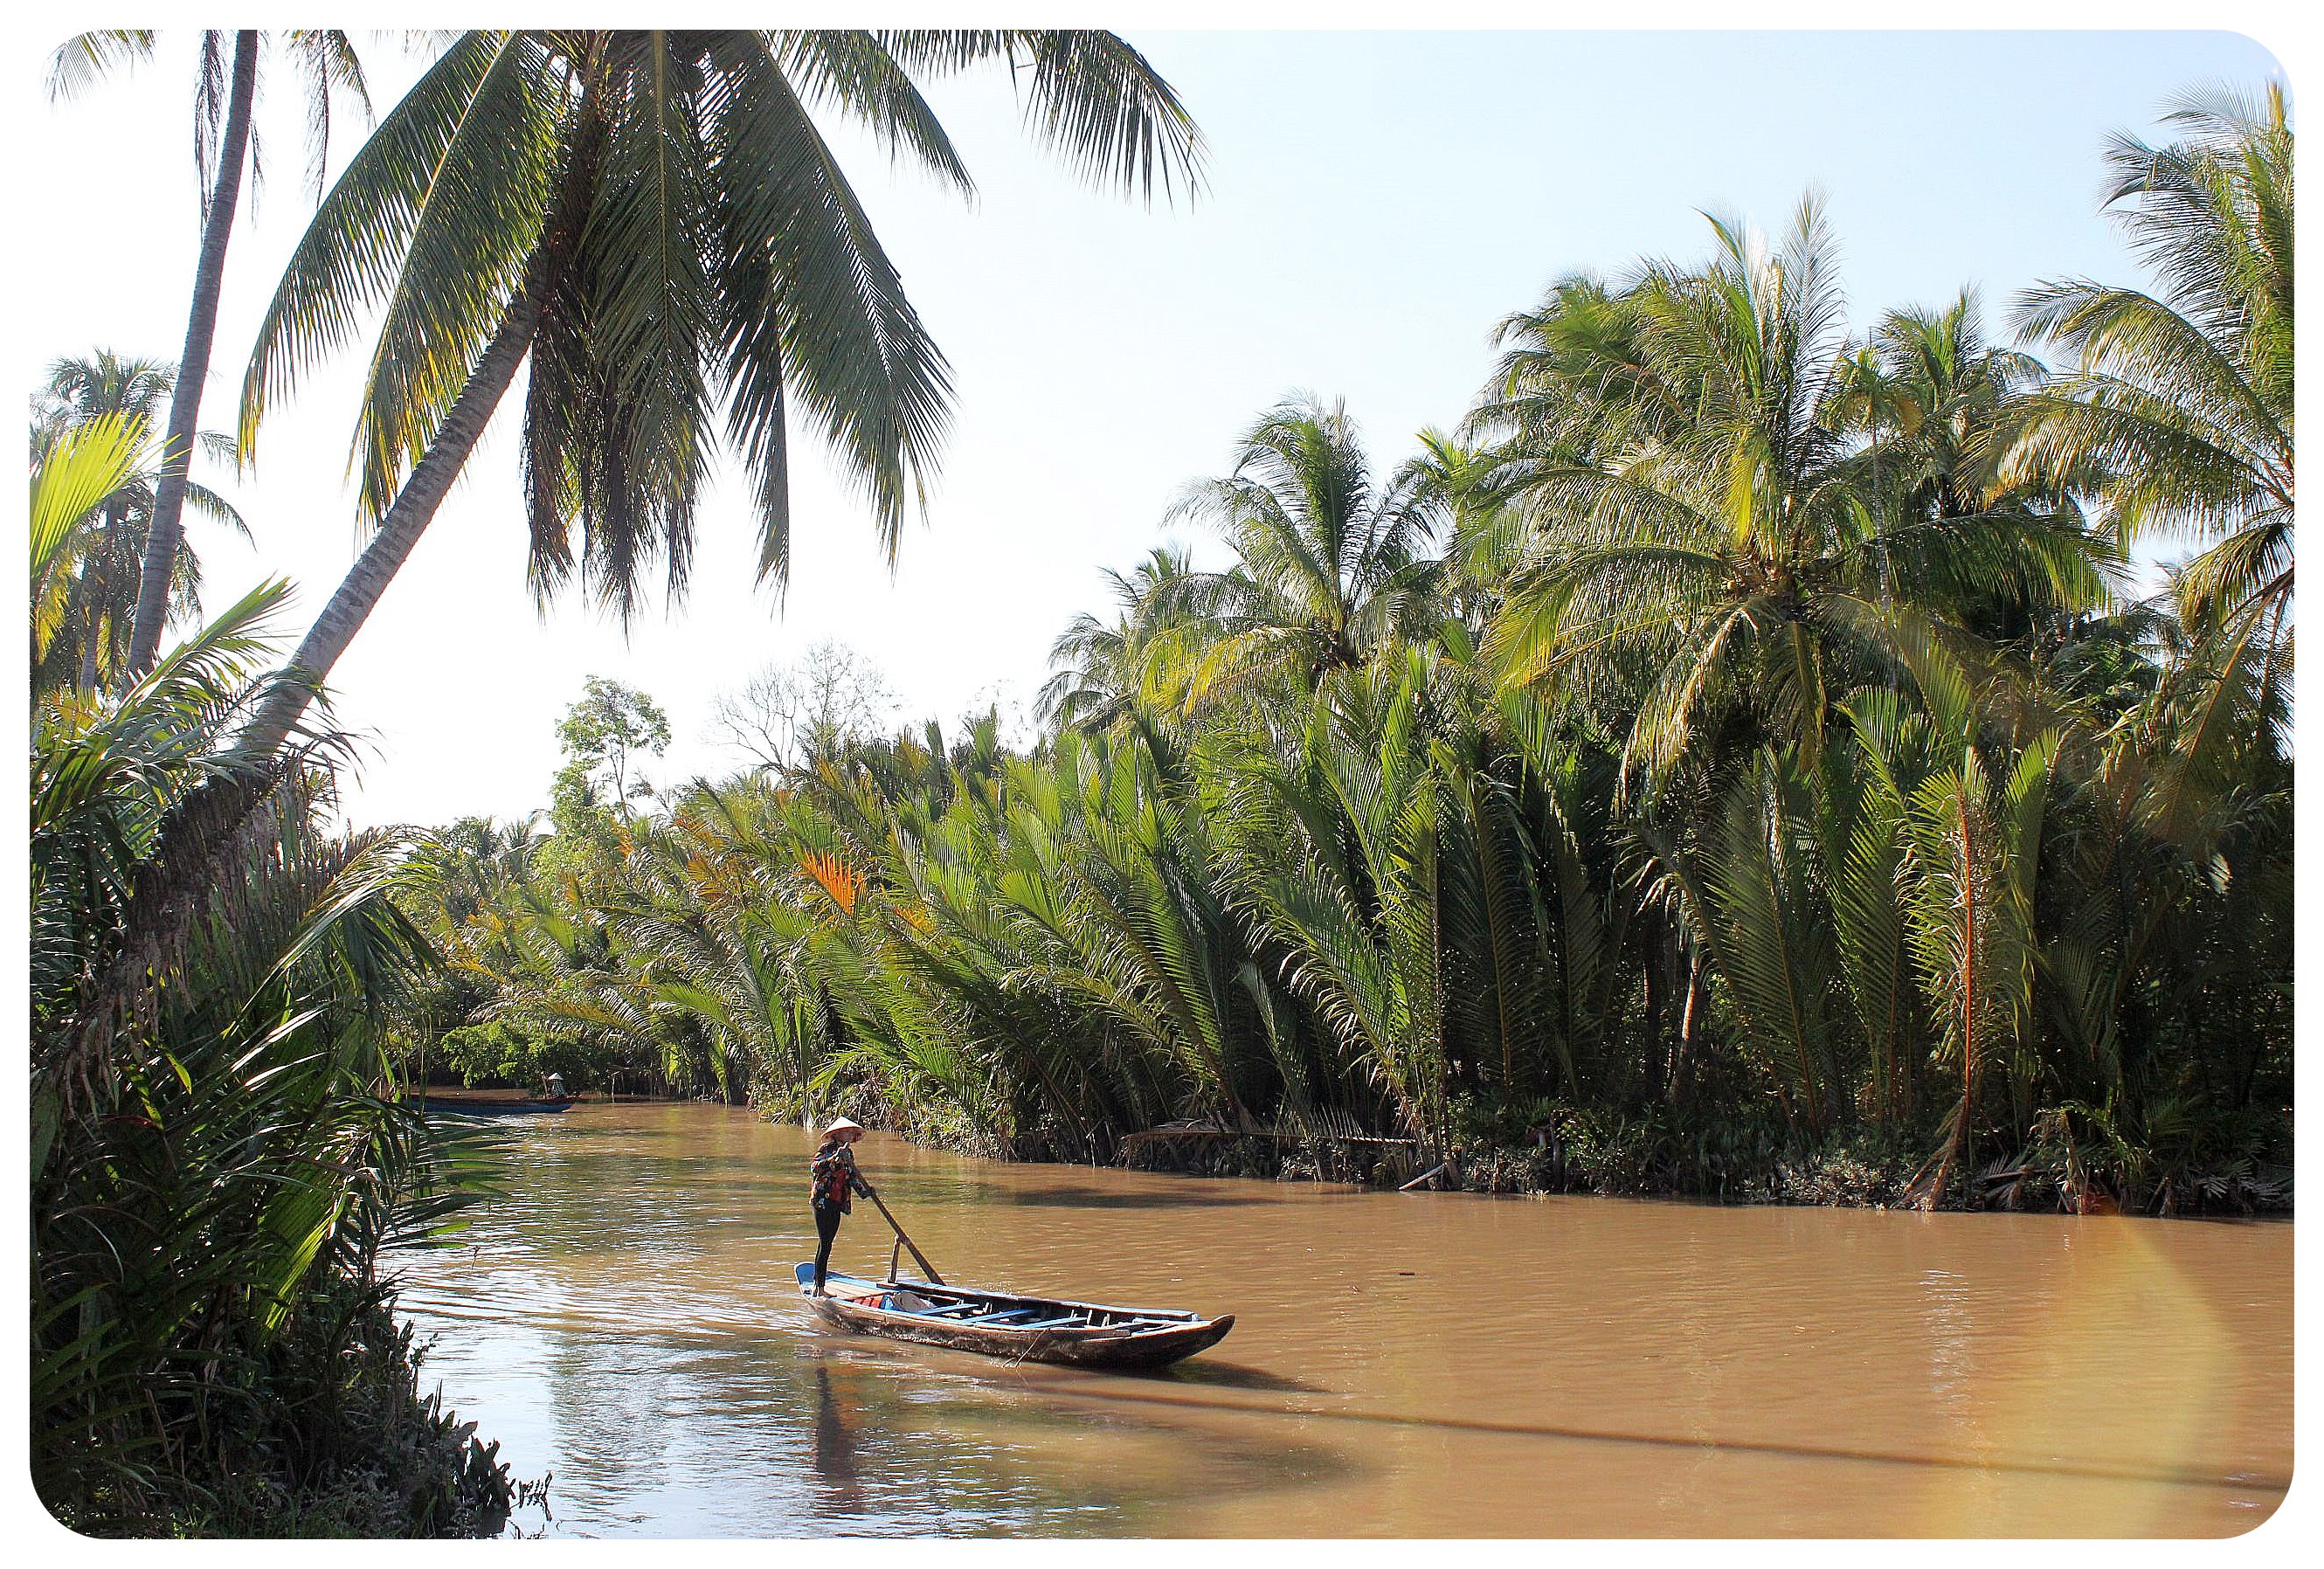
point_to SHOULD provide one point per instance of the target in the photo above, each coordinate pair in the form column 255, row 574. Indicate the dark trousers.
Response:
column 826, row 1227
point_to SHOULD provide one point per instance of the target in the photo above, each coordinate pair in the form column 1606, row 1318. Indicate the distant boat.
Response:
column 482, row 1106
column 1002, row 1324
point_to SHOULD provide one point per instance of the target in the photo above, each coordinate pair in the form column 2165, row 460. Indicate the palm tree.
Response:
column 226, row 90
column 655, row 221
column 1970, row 878
column 1331, row 569
column 1927, row 391
column 73, row 473
column 1103, row 670
column 1746, row 884
column 2180, row 411
column 91, row 644
column 2179, row 416
column 710, row 934
column 1117, row 888
column 1336, row 854
column 1713, row 536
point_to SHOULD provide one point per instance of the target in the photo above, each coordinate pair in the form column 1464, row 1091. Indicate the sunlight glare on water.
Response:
column 623, row 1315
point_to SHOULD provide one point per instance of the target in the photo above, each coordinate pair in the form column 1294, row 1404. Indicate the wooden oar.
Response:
column 917, row 1256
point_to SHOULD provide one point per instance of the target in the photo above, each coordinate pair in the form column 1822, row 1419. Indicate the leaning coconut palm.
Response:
column 1710, row 543
column 657, row 222
column 1331, row 570
column 2179, row 413
column 226, row 90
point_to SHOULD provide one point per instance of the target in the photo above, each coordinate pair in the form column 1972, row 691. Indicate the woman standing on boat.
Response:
column 835, row 1183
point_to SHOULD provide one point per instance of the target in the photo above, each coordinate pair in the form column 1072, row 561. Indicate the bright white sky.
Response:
column 1376, row 203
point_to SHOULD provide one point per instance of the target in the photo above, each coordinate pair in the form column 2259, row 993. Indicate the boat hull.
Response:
column 1117, row 1338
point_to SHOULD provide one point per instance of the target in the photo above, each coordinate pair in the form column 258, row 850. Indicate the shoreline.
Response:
column 1846, row 1173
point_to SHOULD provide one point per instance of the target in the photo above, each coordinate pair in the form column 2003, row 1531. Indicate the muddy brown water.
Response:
column 623, row 1316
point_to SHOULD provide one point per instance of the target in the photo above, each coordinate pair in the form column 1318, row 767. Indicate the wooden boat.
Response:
column 479, row 1106
column 1002, row 1323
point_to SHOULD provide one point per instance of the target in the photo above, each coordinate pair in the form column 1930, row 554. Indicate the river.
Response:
column 623, row 1316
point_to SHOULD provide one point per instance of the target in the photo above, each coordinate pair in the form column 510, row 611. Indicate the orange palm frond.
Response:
column 835, row 878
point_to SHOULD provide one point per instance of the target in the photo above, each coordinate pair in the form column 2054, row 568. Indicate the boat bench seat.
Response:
column 1054, row 1323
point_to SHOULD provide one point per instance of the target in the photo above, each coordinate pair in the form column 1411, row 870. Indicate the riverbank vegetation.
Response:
column 218, row 1160
column 1745, row 756
column 223, row 1151
column 218, row 1156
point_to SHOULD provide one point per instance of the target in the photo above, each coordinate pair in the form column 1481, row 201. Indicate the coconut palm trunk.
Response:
column 95, row 615
column 698, row 247
column 193, row 365
column 415, row 508
column 87, row 682
column 431, row 480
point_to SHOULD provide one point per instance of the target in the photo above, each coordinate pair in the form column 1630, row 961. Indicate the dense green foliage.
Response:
column 218, row 1159
column 86, row 644
column 1735, row 760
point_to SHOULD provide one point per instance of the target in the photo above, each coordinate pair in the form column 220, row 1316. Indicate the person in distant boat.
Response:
column 835, row 1184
